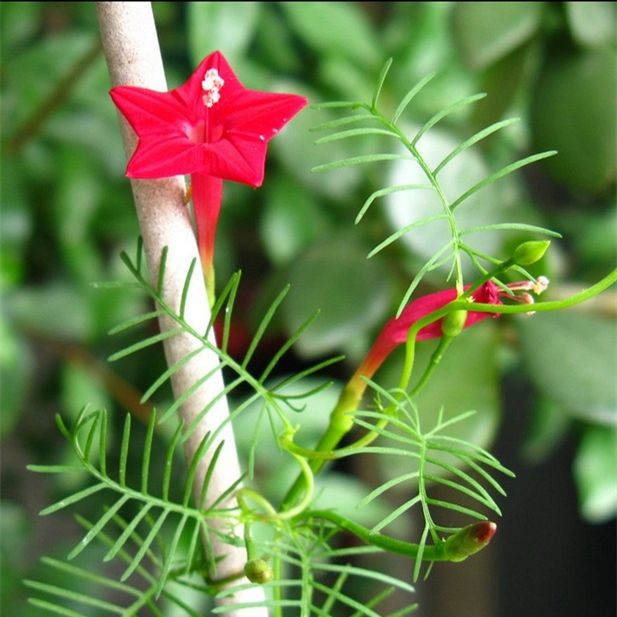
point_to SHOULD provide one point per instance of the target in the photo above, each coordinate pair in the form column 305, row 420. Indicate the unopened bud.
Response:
column 453, row 323
column 258, row 571
column 469, row 540
column 528, row 253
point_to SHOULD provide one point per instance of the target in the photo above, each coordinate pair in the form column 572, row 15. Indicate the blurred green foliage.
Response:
column 67, row 210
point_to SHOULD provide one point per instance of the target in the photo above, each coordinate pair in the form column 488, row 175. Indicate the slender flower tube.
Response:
column 395, row 332
column 211, row 128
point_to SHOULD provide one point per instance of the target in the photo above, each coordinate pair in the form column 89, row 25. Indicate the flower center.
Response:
column 211, row 85
column 204, row 133
column 537, row 287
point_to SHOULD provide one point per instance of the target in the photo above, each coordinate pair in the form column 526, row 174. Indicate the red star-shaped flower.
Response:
column 211, row 128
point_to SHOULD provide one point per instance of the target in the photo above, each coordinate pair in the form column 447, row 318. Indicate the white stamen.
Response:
column 211, row 85
column 540, row 285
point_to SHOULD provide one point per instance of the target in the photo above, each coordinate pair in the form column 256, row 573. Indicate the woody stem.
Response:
column 133, row 57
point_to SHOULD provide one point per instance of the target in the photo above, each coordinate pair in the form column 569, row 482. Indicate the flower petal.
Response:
column 150, row 112
column 261, row 114
column 396, row 329
column 240, row 158
column 163, row 158
column 238, row 127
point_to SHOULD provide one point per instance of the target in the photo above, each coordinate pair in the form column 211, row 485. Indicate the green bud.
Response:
column 528, row 253
column 258, row 571
column 469, row 540
column 453, row 323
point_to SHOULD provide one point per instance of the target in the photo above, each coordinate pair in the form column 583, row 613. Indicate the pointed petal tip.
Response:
column 484, row 532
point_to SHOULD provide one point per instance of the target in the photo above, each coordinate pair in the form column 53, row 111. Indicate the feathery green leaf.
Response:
column 504, row 171
column 474, row 139
column 411, row 94
column 360, row 160
column 380, row 81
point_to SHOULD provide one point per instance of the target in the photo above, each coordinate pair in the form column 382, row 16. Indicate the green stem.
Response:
column 369, row 437
column 244, row 494
column 456, row 547
column 309, row 486
column 444, row 342
column 248, row 542
column 426, row 513
column 408, row 362
column 392, row 545
column 341, row 421
column 551, row 305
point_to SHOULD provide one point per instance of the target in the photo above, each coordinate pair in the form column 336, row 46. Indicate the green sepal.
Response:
column 453, row 323
column 530, row 252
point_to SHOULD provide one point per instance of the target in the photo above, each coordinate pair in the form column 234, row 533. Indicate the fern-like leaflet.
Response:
column 155, row 511
column 106, row 594
column 370, row 115
column 271, row 395
column 429, row 458
column 316, row 577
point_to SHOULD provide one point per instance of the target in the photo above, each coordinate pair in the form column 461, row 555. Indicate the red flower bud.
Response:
column 396, row 330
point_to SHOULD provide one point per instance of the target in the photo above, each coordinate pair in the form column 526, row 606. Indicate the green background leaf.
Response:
column 573, row 110
column 487, row 31
column 335, row 28
column 594, row 468
column 571, row 358
column 592, row 23
column 221, row 26
column 350, row 292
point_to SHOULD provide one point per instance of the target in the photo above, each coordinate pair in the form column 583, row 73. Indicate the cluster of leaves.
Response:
column 129, row 512
column 165, row 531
column 66, row 214
column 155, row 538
